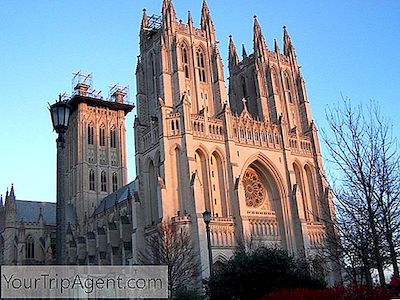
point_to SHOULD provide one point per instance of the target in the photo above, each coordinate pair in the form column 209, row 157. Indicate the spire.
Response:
column 145, row 20
column 190, row 19
column 206, row 22
column 205, row 13
column 287, row 42
column 1, row 200
column 232, row 58
column 258, row 39
column 12, row 191
column 276, row 46
column 168, row 13
column 244, row 53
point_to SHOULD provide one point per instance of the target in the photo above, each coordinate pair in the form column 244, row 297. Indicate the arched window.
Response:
column 219, row 206
column 30, row 248
column 201, row 66
column 185, row 62
column 103, row 179
column 113, row 138
column 115, row 182
column 91, row 180
column 243, row 86
column 102, row 136
column 275, row 82
column 287, row 88
column 312, row 193
column 90, row 134
column 300, row 191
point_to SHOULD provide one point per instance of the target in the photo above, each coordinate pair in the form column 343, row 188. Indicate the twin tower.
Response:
column 251, row 156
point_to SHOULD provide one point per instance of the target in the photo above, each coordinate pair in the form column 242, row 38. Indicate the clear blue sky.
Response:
column 345, row 47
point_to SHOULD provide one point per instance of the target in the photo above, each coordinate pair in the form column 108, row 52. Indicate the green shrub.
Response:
column 250, row 275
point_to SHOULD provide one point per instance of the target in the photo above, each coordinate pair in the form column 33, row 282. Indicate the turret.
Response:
column 145, row 20
column 244, row 52
column 10, row 207
column 168, row 16
column 288, row 48
column 232, row 56
column 276, row 47
column 259, row 44
column 207, row 23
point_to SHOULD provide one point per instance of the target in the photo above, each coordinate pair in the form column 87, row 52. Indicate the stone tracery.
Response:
column 253, row 188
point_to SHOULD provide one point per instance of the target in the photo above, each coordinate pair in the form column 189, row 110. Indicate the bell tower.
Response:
column 254, row 163
column 95, row 154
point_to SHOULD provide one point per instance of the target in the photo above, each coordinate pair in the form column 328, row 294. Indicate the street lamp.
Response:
column 207, row 219
column 60, row 112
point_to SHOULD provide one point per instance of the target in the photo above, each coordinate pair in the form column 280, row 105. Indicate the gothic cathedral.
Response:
column 253, row 161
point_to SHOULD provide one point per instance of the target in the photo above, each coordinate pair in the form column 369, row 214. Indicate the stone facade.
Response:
column 97, row 195
column 255, row 163
column 250, row 156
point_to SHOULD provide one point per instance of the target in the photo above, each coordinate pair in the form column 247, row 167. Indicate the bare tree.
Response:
column 171, row 245
column 367, row 187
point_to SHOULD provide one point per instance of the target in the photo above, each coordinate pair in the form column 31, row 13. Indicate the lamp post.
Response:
column 207, row 219
column 60, row 112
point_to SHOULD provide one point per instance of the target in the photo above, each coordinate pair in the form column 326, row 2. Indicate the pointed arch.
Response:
column 90, row 133
column 102, row 135
column 115, row 181
column 275, row 80
column 113, row 137
column 201, row 64
column 288, row 86
column 152, row 192
column 265, row 181
column 103, row 181
column 312, row 192
column 92, row 181
column 300, row 192
column 30, row 247
column 219, row 205
column 202, row 171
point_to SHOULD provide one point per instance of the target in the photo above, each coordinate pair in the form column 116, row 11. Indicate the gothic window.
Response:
column 91, row 180
column 287, row 88
column 201, row 67
column 185, row 62
column 102, row 136
column 30, row 248
column 113, row 138
column 103, row 179
column 219, row 207
column 243, row 86
column 90, row 134
column 275, row 84
column 312, row 193
column 115, row 182
column 254, row 189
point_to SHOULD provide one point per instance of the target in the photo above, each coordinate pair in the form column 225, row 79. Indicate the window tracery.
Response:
column 253, row 188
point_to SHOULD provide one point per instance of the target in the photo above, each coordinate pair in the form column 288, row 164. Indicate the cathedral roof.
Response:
column 29, row 211
column 118, row 196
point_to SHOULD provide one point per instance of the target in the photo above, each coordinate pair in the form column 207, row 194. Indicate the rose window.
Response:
column 253, row 189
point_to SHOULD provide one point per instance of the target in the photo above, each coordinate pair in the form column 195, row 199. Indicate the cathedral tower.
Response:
column 95, row 154
column 254, row 163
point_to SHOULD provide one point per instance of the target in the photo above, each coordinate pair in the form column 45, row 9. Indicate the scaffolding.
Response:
column 82, row 85
column 118, row 93
column 83, row 78
column 154, row 22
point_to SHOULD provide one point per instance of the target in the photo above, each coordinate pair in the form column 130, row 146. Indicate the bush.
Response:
column 338, row 293
column 188, row 295
column 250, row 275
